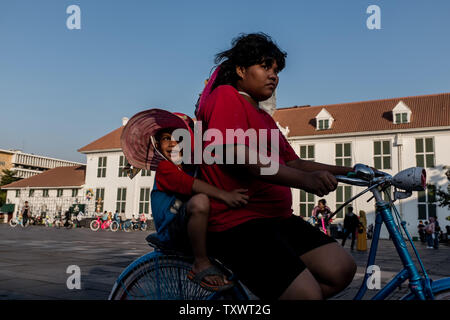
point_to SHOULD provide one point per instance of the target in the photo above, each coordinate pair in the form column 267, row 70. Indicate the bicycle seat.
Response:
column 165, row 247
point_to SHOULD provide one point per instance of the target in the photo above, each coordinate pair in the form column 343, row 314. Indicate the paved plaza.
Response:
column 33, row 262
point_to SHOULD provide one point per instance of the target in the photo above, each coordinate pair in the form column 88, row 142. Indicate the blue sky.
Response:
column 61, row 89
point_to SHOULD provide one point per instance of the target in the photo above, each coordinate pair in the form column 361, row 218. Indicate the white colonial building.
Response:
column 390, row 135
column 52, row 192
column 113, row 189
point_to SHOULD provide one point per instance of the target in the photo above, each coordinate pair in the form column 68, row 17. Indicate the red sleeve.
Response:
column 171, row 179
column 225, row 111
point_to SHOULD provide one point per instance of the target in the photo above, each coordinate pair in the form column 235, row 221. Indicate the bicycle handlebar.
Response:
column 411, row 179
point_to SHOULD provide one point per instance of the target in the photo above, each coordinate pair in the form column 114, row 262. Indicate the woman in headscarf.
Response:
column 361, row 244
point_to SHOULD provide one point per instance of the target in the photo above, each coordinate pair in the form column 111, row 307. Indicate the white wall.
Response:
column 402, row 157
column 112, row 182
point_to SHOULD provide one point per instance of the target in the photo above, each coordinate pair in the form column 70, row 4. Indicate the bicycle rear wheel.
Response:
column 156, row 276
column 114, row 226
column 127, row 227
column 94, row 225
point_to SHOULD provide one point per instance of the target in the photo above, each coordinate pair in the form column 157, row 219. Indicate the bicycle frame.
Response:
column 421, row 287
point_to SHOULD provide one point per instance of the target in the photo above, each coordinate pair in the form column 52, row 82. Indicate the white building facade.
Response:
column 352, row 133
column 112, row 189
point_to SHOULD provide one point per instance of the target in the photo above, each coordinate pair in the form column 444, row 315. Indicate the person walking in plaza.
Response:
column 321, row 212
column 361, row 244
column 142, row 219
column 436, row 233
column 430, row 231
column 351, row 224
column 421, row 231
column 25, row 212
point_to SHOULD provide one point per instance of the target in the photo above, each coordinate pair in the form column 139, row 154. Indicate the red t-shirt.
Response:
column 170, row 178
column 225, row 109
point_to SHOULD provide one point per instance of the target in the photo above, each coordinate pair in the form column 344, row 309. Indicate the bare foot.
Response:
column 203, row 264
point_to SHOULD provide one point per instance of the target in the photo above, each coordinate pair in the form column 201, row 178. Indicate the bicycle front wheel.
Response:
column 94, row 225
column 127, row 227
column 114, row 226
column 13, row 223
column 156, row 276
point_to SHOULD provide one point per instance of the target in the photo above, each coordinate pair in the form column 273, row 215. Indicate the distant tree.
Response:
column 443, row 196
column 8, row 176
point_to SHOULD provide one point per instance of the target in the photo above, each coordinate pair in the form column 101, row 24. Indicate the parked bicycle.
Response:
column 99, row 223
column 58, row 222
column 14, row 222
column 139, row 225
column 126, row 225
column 49, row 221
column 162, row 274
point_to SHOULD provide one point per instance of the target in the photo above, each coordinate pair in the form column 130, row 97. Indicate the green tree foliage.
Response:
column 8, row 176
column 443, row 196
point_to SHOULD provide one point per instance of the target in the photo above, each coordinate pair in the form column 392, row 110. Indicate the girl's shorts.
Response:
column 265, row 253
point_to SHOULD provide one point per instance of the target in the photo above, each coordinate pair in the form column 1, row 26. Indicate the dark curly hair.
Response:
column 247, row 50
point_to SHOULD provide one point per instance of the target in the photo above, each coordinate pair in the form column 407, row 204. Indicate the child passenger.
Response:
column 192, row 215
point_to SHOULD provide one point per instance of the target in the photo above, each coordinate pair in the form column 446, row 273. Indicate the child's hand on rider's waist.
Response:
column 236, row 198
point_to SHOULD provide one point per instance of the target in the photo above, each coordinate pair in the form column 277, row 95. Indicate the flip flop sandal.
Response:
column 211, row 271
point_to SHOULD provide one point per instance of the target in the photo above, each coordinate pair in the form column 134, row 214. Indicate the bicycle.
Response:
column 98, row 223
column 48, row 222
column 162, row 274
column 124, row 225
column 58, row 222
column 139, row 225
column 18, row 220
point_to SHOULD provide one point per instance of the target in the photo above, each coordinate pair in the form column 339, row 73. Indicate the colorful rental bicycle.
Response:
column 99, row 223
column 18, row 220
column 162, row 274
column 126, row 225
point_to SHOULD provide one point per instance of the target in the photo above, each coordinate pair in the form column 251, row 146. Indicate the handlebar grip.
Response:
column 351, row 174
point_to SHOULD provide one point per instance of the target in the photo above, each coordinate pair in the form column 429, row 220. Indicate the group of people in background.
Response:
column 120, row 217
column 429, row 232
column 354, row 226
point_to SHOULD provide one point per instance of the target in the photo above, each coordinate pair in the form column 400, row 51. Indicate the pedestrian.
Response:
column 437, row 230
column 430, row 232
column 25, row 212
column 362, row 234
column 321, row 213
column 122, row 217
column 421, row 230
column 142, row 219
column 351, row 223
column 116, row 216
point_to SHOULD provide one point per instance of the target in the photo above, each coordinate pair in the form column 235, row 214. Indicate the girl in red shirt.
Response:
column 276, row 254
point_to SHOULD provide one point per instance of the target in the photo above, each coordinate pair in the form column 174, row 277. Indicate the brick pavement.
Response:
column 33, row 262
